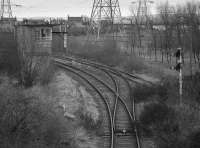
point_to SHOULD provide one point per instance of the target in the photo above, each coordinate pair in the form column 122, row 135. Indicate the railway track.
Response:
column 112, row 88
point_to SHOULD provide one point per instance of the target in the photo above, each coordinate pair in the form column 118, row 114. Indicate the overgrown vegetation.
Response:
column 192, row 85
column 163, row 119
column 9, row 63
column 170, row 126
column 88, row 122
column 34, row 117
column 28, row 118
column 30, row 114
column 158, row 92
column 134, row 64
column 105, row 52
column 179, row 27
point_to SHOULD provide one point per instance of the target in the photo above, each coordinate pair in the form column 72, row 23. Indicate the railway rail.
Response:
column 113, row 88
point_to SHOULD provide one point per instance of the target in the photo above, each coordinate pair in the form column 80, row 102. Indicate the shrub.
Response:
column 10, row 63
column 35, row 70
column 159, row 121
column 88, row 122
column 105, row 52
column 29, row 69
column 191, row 87
column 143, row 93
column 156, row 113
column 157, row 92
column 28, row 121
column 134, row 63
column 194, row 141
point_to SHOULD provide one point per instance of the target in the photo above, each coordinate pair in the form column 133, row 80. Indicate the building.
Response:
column 59, row 42
column 75, row 21
column 34, row 39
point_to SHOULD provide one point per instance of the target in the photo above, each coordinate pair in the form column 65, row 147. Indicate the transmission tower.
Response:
column 105, row 12
column 143, row 11
column 6, row 11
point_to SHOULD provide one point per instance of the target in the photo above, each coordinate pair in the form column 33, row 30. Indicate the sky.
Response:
column 63, row 8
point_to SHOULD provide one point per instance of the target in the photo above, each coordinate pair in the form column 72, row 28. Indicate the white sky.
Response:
column 62, row 8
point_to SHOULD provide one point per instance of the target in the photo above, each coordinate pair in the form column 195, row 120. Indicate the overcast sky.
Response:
column 62, row 8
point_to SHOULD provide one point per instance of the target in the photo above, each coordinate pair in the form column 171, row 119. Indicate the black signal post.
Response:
column 178, row 67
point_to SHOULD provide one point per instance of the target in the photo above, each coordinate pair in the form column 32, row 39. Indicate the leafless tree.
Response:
column 166, row 13
column 192, row 16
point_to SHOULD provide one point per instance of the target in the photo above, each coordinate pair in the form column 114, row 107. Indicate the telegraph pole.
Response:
column 178, row 67
column 181, row 77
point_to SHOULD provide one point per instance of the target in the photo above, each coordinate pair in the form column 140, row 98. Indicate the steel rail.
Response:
column 101, row 96
column 111, row 68
column 102, row 82
column 106, row 70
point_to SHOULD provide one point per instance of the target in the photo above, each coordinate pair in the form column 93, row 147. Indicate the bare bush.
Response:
column 194, row 140
column 35, row 70
column 159, row 122
column 28, row 121
column 28, row 71
column 105, row 52
column 134, row 64
column 87, row 121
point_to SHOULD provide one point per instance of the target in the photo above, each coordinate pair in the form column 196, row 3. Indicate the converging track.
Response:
column 113, row 88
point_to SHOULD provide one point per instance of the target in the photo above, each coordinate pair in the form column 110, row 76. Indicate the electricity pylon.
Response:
column 143, row 11
column 105, row 13
column 142, row 17
column 6, row 11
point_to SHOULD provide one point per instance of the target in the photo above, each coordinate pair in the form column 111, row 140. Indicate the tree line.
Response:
column 160, row 35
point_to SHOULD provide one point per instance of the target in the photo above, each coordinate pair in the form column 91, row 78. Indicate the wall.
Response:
column 59, row 42
column 31, row 41
column 43, row 44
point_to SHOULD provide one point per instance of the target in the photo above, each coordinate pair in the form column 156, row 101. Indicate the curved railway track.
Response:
column 113, row 89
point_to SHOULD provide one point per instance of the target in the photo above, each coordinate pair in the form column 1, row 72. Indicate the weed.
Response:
column 88, row 122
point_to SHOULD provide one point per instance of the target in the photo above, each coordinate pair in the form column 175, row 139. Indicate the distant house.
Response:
column 76, row 21
column 33, row 37
column 41, row 39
